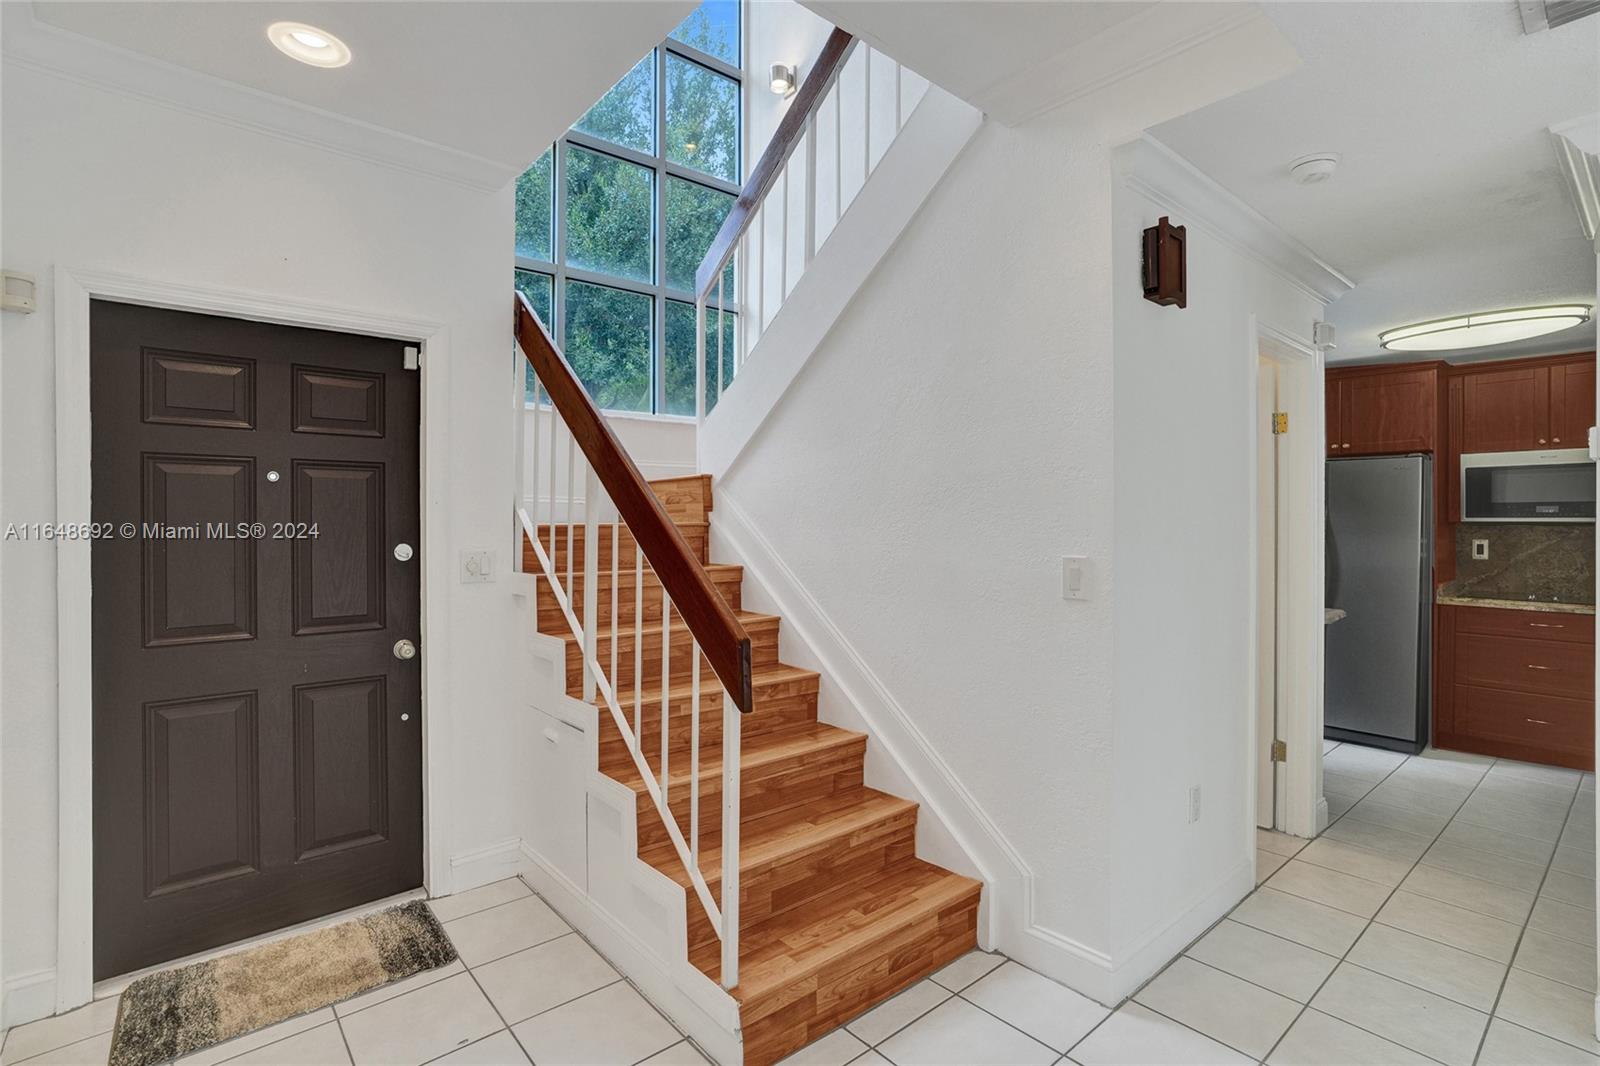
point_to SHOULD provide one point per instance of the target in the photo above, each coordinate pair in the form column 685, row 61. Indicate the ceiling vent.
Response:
column 1548, row 14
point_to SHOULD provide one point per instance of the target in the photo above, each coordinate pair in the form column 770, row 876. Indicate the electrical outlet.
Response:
column 1194, row 803
column 477, row 565
column 1480, row 549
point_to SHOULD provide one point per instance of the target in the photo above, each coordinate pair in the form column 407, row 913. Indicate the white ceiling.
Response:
column 1448, row 198
column 496, row 81
column 1126, row 61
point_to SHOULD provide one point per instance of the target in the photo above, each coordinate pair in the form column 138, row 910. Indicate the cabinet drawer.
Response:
column 1534, row 625
column 1548, row 722
column 1548, row 667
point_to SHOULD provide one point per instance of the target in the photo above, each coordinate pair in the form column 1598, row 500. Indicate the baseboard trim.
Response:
column 28, row 997
column 695, row 1014
column 486, row 865
column 1164, row 943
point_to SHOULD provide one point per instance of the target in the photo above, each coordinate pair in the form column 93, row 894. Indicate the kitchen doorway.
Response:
column 1285, row 725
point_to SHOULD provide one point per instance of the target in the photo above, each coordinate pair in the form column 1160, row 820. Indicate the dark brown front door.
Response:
column 257, row 744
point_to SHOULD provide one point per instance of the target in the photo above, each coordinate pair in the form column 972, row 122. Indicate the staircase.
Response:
column 835, row 911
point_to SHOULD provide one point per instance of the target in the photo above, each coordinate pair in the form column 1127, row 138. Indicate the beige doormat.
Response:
column 173, row 1012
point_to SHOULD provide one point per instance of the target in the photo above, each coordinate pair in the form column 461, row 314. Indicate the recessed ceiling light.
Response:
column 1313, row 169
column 308, row 44
column 1490, row 327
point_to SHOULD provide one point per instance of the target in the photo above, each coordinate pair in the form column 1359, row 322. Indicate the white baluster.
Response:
column 838, row 149
column 899, row 117
column 719, row 337
column 572, row 507
column 616, row 619
column 783, row 241
column 694, row 753
column 866, row 112
column 811, row 188
column 666, row 684
column 700, row 358
column 761, row 271
column 551, row 517
column 638, row 644
column 591, row 579
column 730, row 841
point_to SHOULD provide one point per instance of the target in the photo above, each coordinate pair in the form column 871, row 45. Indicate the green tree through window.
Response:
column 613, row 220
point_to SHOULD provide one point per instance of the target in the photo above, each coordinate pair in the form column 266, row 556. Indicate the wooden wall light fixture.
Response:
column 1166, row 272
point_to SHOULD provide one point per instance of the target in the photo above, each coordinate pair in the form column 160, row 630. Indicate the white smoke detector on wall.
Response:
column 1314, row 169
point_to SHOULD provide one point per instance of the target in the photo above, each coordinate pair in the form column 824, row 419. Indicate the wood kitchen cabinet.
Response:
column 1381, row 411
column 1543, row 404
column 1571, row 403
column 1513, row 683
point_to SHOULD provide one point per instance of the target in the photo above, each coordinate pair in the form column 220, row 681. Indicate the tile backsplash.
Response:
column 1527, row 561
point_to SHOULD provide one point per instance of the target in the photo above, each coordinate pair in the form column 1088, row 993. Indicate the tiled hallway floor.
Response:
column 1446, row 915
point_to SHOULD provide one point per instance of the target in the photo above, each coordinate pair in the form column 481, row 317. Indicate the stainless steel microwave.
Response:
column 1557, row 485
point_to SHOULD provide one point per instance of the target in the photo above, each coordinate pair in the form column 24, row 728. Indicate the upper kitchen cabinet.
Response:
column 1529, row 405
column 1571, row 403
column 1382, row 410
column 1505, row 410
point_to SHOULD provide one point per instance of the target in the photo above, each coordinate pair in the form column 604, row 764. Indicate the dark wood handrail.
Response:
column 723, row 640
column 779, row 149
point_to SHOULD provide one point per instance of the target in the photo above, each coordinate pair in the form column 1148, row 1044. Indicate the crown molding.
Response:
column 1162, row 175
column 33, row 45
column 1576, row 144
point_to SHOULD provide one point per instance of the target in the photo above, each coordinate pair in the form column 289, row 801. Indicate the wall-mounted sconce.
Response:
column 782, row 79
column 18, row 292
column 1166, row 273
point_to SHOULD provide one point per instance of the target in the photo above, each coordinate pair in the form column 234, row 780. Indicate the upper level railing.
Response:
column 628, row 539
column 852, row 105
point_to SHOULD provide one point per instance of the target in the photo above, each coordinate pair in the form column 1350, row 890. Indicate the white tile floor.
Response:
column 1445, row 916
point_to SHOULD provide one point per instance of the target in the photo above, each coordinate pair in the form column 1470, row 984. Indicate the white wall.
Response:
column 1184, row 468
column 997, row 396
column 945, row 445
column 101, row 181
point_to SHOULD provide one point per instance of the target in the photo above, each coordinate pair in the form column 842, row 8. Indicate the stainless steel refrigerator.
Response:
column 1378, row 673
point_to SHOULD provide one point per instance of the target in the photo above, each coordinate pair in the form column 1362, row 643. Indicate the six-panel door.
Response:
column 257, row 745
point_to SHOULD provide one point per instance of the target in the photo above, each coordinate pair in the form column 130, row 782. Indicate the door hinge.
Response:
column 413, row 357
column 1280, row 751
column 1280, row 422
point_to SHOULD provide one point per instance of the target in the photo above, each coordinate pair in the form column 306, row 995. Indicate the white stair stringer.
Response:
column 632, row 913
column 913, row 165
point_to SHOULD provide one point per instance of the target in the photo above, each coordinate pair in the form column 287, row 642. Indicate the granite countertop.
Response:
column 1514, row 605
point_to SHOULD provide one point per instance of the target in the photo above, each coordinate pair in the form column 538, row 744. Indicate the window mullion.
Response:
column 658, row 329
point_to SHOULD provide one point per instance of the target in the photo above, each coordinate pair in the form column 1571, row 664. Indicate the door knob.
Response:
column 404, row 649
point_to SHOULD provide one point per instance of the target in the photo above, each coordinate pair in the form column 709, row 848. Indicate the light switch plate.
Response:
column 1480, row 548
column 477, row 565
column 1075, row 584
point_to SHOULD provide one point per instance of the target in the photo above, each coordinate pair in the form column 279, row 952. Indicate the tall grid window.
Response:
column 613, row 220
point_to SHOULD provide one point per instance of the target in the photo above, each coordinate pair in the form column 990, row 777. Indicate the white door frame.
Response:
column 1300, row 808
column 74, row 289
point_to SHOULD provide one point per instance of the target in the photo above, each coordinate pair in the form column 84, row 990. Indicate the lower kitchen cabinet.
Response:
column 1515, row 684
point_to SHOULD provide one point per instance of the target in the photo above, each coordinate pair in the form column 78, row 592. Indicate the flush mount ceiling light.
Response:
column 782, row 79
column 319, row 48
column 1491, row 327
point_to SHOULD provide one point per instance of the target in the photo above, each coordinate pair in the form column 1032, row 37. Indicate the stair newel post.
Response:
column 591, row 583
column 730, row 840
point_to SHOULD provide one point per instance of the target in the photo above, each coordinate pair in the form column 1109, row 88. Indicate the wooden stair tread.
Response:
column 788, row 947
column 755, row 752
column 762, row 674
column 787, row 832
column 748, row 619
